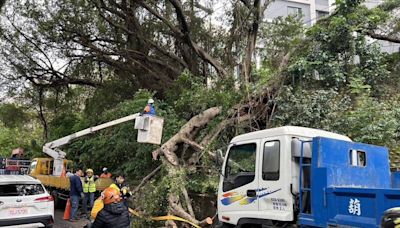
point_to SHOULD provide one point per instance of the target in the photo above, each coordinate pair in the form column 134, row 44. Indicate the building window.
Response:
column 294, row 11
column 321, row 14
column 270, row 168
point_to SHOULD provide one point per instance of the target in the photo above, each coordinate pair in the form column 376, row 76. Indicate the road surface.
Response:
column 61, row 223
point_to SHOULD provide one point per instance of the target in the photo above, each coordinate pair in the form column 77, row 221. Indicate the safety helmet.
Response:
column 111, row 195
column 150, row 101
column 89, row 171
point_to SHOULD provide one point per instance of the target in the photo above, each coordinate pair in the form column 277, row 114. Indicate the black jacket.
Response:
column 114, row 215
column 75, row 186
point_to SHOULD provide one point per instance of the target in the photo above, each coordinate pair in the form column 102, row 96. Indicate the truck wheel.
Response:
column 390, row 218
column 54, row 194
column 251, row 226
column 224, row 225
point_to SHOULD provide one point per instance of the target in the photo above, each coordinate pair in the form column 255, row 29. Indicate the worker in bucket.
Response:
column 89, row 189
column 105, row 173
column 149, row 109
column 114, row 213
column 120, row 185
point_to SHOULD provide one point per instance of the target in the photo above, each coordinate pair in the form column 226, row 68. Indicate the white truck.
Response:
column 295, row 176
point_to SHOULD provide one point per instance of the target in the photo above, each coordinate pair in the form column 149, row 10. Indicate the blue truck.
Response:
column 302, row 177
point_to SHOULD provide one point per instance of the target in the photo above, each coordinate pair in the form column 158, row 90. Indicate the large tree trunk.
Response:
column 42, row 116
column 257, row 10
column 186, row 135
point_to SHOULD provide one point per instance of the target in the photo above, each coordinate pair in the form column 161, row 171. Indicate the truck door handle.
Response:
column 251, row 193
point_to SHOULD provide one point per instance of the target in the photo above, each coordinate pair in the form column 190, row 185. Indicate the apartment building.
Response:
column 313, row 10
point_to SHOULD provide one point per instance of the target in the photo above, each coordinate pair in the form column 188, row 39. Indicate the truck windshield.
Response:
column 240, row 166
column 33, row 165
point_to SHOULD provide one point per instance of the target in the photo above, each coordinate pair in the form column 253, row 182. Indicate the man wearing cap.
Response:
column 89, row 188
column 105, row 173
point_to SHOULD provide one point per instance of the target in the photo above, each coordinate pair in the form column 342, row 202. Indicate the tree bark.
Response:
column 42, row 117
column 377, row 36
column 257, row 13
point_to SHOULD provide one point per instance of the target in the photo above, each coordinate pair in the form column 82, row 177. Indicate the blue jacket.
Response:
column 75, row 186
column 150, row 110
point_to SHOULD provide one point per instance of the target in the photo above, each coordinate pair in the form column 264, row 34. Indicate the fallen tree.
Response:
column 251, row 112
column 186, row 135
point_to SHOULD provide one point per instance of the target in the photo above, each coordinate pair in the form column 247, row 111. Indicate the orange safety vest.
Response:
column 105, row 175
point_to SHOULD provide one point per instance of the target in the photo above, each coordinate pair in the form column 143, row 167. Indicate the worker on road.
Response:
column 105, row 173
column 89, row 188
column 119, row 184
column 114, row 214
column 149, row 109
column 75, row 192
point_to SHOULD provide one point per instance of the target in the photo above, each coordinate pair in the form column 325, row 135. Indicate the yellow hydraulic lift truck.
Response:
column 53, row 172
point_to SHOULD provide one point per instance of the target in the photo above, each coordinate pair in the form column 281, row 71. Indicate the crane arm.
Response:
column 50, row 148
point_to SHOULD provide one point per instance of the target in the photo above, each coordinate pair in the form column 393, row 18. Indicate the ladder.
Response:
column 303, row 189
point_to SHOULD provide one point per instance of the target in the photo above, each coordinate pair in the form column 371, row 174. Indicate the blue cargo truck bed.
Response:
column 357, row 207
column 351, row 185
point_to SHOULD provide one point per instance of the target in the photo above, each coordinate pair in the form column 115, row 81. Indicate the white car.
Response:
column 24, row 202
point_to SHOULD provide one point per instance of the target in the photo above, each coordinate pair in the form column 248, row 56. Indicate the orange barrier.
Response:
column 67, row 212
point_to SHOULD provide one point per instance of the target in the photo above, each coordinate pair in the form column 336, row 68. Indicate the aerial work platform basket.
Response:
column 149, row 129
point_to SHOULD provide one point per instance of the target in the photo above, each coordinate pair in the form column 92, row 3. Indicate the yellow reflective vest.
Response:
column 89, row 186
column 124, row 190
column 115, row 186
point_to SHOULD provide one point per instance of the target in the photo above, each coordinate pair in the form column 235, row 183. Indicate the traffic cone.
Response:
column 67, row 212
column 63, row 173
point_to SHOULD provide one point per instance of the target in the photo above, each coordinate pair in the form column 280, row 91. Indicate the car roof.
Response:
column 22, row 179
column 289, row 130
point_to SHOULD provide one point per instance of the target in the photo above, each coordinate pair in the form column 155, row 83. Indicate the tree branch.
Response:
column 384, row 37
column 188, row 202
column 185, row 134
column 184, row 34
column 192, row 143
column 146, row 179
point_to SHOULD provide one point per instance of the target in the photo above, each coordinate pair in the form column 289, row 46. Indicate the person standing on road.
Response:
column 114, row 214
column 89, row 188
column 75, row 193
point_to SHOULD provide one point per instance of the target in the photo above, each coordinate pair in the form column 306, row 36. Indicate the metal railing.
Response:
column 12, row 166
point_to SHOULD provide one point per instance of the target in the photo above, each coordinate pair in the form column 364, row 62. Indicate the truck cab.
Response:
column 294, row 176
column 259, row 182
column 44, row 166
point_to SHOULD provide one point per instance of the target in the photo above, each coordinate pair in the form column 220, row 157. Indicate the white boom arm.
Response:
column 51, row 148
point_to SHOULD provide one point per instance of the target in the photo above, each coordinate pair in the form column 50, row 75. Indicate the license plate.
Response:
column 18, row 211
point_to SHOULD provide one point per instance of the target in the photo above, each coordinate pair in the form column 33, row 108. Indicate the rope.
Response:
column 164, row 218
